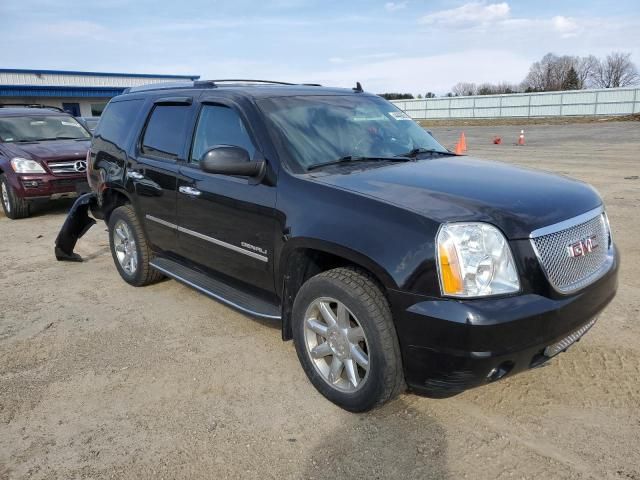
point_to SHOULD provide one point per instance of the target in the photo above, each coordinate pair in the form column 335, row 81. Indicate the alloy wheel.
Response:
column 336, row 344
column 5, row 197
column 125, row 247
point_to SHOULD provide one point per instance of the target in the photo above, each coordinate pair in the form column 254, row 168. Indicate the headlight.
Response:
column 24, row 165
column 474, row 260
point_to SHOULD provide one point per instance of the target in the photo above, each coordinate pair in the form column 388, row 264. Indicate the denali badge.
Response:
column 584, row 246
column 253, row 247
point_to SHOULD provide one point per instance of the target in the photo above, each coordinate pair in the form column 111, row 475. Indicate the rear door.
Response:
column 161, row 146
column 227, row 223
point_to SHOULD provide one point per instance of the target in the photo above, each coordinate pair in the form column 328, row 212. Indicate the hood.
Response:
column 517, row 200
column 49, row 150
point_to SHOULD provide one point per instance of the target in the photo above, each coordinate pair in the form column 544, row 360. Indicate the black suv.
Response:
column 389, row 260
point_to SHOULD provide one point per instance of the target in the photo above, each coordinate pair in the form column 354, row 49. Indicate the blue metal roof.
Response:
column 97, row 74
column 58, row 91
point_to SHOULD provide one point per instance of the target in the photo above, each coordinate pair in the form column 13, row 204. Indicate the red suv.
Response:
column 42, row 157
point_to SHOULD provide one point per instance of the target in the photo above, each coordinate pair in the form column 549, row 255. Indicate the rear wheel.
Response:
column 14, row 207
column 346, row 341
column 129, row 248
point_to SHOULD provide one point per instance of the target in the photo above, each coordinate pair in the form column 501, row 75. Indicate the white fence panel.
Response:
column 611, row 101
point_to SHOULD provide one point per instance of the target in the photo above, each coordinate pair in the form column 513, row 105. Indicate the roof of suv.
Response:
column 256, row 90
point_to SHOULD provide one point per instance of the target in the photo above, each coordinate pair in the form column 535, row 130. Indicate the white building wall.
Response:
column 66, row 80
column 85, row 103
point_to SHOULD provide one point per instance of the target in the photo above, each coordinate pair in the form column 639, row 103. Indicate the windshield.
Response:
column 41, row 127
column 322, row 129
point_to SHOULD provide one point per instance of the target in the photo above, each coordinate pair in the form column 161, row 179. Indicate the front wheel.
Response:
column 129, row 248
column 346, row 341
column 14, row 207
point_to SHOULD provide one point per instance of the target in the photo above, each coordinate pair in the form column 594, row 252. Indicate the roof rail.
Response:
column 239, row 80
column 159, row 86
column 208, row 84
column 30, row 105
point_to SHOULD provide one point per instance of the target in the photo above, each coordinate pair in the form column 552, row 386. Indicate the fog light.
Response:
column 500, row 371
column 30, row 183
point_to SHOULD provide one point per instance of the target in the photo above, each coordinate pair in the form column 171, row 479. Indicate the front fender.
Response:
column 353, row 256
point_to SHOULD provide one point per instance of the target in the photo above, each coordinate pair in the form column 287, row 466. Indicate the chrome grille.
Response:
column 68, row 166
column 567, row 272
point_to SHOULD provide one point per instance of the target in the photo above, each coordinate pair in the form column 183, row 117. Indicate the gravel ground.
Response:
column 102, row 380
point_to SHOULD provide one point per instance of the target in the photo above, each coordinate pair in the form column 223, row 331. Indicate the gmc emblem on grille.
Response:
column 583, row 247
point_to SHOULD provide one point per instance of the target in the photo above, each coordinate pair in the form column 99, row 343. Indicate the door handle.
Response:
column 190, row 191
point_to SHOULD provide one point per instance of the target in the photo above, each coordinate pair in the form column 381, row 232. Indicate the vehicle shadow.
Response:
column 395, row 441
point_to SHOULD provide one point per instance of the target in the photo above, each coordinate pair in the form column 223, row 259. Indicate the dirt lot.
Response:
column 102, row 380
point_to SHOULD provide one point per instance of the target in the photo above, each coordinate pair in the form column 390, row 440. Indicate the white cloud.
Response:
column 395, row 6
column 469, row 13
column 566, row 26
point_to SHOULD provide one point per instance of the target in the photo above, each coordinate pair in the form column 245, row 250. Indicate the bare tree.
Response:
column 540, row 76
column 550, row 73
column 464, row 89
column 617, row 70
column 585, row 68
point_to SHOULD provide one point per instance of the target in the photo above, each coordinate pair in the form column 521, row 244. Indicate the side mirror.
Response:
column 230, row 160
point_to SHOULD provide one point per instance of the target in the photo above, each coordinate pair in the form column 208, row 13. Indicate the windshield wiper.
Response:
column 413, row 153
column 352, row 158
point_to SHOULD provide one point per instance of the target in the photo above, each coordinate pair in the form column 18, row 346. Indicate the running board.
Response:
column 234, row 297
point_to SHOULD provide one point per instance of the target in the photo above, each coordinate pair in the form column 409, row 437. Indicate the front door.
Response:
column 227, row 223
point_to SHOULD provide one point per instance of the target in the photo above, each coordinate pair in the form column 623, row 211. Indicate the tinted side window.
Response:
column 219, row 125
column 117, row 120
column 166, row 130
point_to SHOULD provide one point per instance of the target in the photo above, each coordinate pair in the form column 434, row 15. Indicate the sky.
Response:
column 401, row 46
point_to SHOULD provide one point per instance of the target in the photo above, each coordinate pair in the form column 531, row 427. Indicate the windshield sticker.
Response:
column 37, row 122
column 399, row 116
column 69, row 124
column 364, row 118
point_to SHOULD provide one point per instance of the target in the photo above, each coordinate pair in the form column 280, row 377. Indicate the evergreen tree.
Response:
column 571, row 82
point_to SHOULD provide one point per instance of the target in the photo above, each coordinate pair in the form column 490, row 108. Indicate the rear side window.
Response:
column 219, row 125
column 117, row 120
column 166, row 129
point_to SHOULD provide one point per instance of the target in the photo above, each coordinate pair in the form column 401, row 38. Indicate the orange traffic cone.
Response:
column 521, row 139
column 461, row 146
column 463, row 142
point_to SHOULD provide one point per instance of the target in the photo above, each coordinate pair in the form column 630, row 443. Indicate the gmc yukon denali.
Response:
column 390, row 261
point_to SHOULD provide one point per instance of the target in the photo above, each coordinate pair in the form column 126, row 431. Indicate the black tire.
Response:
column 14, row 207
column 144, row 274
column 364, row 299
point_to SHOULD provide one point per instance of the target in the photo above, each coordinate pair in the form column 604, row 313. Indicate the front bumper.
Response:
column 449, row 346
column 48, row 187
